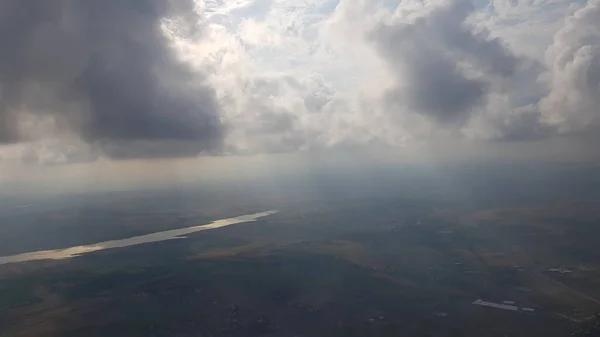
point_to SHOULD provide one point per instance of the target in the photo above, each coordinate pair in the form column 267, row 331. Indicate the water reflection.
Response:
column 59, row 254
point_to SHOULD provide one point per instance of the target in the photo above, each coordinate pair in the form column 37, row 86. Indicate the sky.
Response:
column 85, row 81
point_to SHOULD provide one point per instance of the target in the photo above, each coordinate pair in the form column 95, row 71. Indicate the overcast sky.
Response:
column 121, row 79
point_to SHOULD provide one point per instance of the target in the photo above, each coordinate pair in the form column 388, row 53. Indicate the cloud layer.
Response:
column 123, row 78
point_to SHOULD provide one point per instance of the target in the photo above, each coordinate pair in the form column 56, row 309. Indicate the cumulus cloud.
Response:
column 501, row 120
column 275, row 113
column 157, row 78
column 573, row 103
column 425, row 69
column 105, row 72
column 444, row 66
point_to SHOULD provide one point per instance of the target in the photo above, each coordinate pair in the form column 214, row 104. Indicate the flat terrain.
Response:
column 370, row 263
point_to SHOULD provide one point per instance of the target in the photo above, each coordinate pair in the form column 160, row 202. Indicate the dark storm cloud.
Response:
column 105, row 70
column 444, row 66
column 438, row 89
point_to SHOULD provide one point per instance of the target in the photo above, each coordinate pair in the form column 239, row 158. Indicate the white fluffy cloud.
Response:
column 357, row 72
column 573, row 103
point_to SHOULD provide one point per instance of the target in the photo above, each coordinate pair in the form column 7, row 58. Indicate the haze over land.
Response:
column 379, row 251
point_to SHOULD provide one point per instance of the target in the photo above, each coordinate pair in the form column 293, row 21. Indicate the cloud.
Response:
column 444, row 67
column 357, row 73
column 104, row 71
column 81, row 79
column 275, row 113
column 501, row 120
column 573, row 102
column 423, row 70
